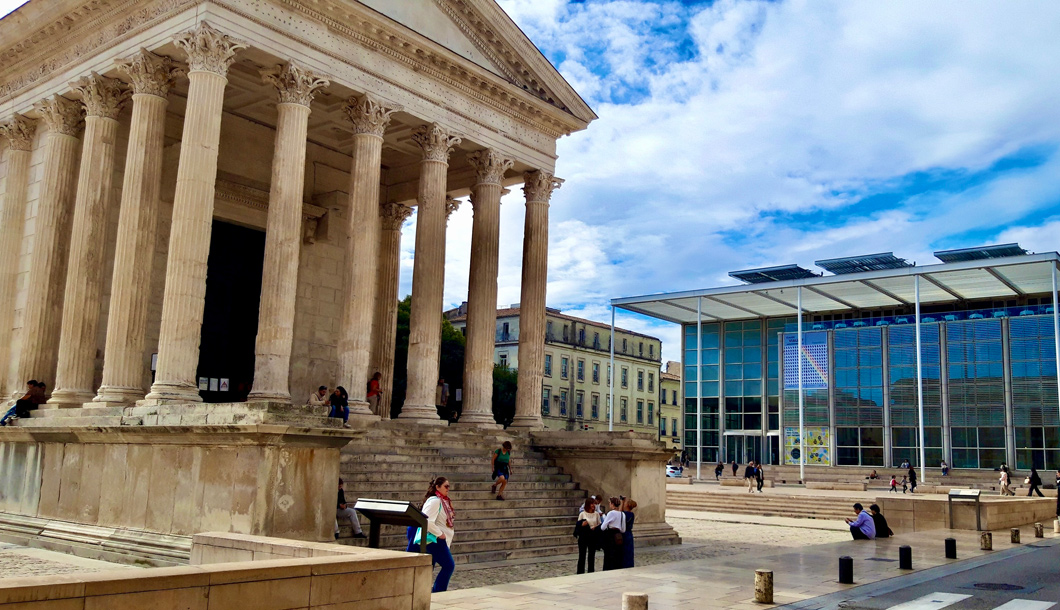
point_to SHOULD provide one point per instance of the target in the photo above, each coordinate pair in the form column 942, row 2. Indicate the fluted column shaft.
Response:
column 362, row 249
column 210, row 53
column 283, row 233
column 538, row 189
column 384, row 322
column 84, row 278
column 47, row 272
column 428, row 276
column 482, row 288
column 123, row 357
column 19, row 133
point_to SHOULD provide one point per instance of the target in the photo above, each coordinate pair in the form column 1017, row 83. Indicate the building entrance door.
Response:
column 230, row 318
column 743, row 448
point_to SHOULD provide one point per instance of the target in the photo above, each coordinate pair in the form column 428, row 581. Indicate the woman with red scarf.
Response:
column 439, row 512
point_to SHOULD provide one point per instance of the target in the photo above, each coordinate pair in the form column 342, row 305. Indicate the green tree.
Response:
column 451, row 366
column 505, row 383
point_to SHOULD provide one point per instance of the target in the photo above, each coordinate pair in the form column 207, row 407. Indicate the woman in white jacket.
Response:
column 440, row 516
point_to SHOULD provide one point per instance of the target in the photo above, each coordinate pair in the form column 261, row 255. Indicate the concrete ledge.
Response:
column 930, row 511
column 742, row 483
column 838, row 486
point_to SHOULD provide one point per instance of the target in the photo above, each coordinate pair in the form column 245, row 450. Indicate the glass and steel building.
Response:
column 980, row 391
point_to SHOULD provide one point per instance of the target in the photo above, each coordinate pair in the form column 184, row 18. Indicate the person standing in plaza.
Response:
column 1035, row 482
column 718, row 470
column 438, row 510
column 735, row 468
column 587, row 529
column 611, row 530
column 760, row 476
column 749, row 477
column 628, row 505
column 912, row 480
column 862, row 527
column 345, row 511
column 373, row 392
column 501, row 464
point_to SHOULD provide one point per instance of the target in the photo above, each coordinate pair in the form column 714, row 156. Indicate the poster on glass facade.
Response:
column 816, row 445
column 814, row 361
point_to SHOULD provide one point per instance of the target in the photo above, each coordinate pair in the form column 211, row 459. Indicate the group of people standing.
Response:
column 754, row 474
column 610, row 530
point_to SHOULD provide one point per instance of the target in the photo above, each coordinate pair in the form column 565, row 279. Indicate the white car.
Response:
column 674, row 472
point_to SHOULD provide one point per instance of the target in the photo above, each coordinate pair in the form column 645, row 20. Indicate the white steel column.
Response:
column 699, row 387
column 802, row 418
column 610, row 378
column 919, row 376
column 1056, row 335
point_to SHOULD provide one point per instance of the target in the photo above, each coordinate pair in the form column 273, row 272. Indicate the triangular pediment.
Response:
column 481, row 32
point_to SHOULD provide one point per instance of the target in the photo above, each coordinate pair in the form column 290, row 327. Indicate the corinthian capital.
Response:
column 208, row 50
column 151, row 74
column 489, row 165
column 368, row 115
column 538, row 185
column 102, row 96
column 19, row 132
column 295, row 84
column 60, row 114
column 435, row 141
column 394, row 215
column 451, row 206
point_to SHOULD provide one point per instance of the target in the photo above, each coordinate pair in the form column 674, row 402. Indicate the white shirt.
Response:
column 316, row 400
column 614, row 520
column 593, row 518
column 432, row 509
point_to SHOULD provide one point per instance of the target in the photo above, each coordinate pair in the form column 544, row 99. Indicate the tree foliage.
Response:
column 505, row 383
column 451, row 366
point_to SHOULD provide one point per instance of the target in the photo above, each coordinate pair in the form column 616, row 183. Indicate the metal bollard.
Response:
column 1015, row 535
column 764, row 586
column 905, row 557
column 846, row 570
column 951, row 548
column 634, row 601
column 986, row 541
column 1039, row 530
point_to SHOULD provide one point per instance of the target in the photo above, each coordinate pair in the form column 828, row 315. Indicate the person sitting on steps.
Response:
column 344, row 510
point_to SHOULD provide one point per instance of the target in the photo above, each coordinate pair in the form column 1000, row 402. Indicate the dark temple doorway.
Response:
column 230, row 319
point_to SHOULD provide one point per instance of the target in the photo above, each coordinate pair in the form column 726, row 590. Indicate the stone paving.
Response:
column 23, row 561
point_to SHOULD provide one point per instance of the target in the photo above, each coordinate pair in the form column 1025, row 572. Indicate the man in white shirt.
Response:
column 318, row 398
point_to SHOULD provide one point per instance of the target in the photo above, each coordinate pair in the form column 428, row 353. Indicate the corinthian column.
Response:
column 123, row 358
column 103, row 99
column 210, row 53
column 47, row 271
column 482, row 287
column 369, row 120
column 428, row 275
column 283, row 232
column 384, row 322
column 19, row 134
column 538, row 188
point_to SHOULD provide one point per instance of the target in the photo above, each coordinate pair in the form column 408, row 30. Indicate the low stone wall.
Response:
column 925, row 512
column 367, row 579
column 837, row 485
column 742, row 483
column 224, row 547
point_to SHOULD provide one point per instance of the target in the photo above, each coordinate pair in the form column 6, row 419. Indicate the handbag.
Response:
column 1027, row 481
column 618, row 538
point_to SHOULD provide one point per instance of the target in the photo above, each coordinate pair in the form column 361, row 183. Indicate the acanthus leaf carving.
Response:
column 369, row 115
column 151, row 74
column 451, row 205
column 489, row 165
column 19, row 132
column 394, row 215
column 294, row 84
column 435, row 141
column 102, row 96
column 538, row 185
column 208, row 50
column 60, row 114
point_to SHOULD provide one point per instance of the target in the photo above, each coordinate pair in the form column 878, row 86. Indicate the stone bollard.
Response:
column 986, row 541
column 951, row 548
column 764, row 586
column 846, row 570
column 1015, row 535
column 1039, row 530
column 634, row 601
column 905, row 557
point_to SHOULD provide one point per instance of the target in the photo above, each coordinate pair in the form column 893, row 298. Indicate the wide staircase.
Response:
column 985, row 480
column 765, row 505
column 395, row 461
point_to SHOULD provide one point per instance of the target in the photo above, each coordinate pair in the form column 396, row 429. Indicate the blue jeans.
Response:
column 439, row 552
column 8, row 415
column 344, row 414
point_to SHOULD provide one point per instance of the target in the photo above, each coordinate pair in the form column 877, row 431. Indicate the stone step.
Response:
column 467, row 534
column 413, row 453
column 470, row 500
column 480, row 482
column 441, row 468
column 350, row 457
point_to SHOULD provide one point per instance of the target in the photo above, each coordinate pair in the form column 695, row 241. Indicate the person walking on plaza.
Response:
column 440, row 530
column 894, row 484
column 760, row 476
column 879, row 522
column 627, row 537
column 718, row 470
column 912, row 480
column 587, row 529
column 373, row 391
column 340, row 405
column 345, row 511
column 1003, row 480
column 862, row 527
column 611, row 530
column 501, row 463
column 749, row 477
column 905, row 484
column 1035, row 481
column 318, row 398
column 735, row 468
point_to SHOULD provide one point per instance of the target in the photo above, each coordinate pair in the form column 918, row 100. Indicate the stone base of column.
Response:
column 424, row 414
column 532, row 422
column 61, row 399
column 361, row 408
column 269, row 397
column 115, row 396
column 478, row 420
column 170, row 394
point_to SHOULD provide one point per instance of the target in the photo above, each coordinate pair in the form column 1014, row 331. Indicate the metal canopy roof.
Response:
column 999, row 278
column 865, row 262
column 979, row 253
column 772, row 274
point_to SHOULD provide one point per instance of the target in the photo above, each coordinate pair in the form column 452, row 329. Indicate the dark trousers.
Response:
column 856, row 533
column 1034, row 489
column 612, row 551
column 761, row 482
column 587, row 548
